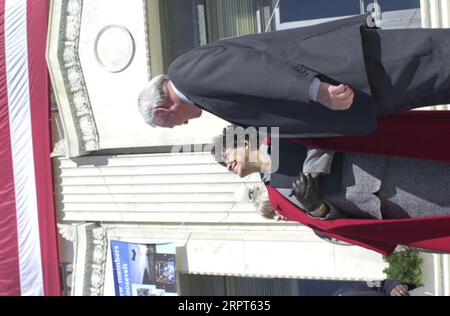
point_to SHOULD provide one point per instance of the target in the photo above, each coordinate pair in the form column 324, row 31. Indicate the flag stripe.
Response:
column 16, row 52
column 9, row 257
column 40, row 114
column 29, row 262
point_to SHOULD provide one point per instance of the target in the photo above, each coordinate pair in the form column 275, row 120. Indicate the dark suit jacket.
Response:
column 264, row 79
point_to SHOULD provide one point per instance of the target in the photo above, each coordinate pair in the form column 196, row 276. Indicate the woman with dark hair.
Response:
column 331, row 185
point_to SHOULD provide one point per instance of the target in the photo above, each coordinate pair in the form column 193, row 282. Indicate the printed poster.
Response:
column 144, row 269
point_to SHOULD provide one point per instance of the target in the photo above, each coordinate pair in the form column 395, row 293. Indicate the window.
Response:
column 400, row 14
column 231, row 18
column 389, row 5
column 299, row 13
column 294, row 10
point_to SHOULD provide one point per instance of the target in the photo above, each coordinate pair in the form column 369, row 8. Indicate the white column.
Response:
column 425, row 13
column 435, row 14
column 438, row 288
column 446, row 274
column 445, row 13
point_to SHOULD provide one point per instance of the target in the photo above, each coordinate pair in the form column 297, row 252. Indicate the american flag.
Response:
column 28, row 238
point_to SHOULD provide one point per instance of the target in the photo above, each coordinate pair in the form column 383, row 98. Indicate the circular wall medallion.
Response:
column 114, row 48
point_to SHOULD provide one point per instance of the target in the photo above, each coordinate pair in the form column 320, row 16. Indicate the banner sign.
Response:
column 144, row 269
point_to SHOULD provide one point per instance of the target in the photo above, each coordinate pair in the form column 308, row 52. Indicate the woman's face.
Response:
column 241, row 161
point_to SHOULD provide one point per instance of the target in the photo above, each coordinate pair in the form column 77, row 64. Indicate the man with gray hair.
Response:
column 330, row 79
column 160, row 105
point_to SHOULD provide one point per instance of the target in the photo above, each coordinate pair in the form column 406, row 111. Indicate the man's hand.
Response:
column 335, row 97
column 400, row 290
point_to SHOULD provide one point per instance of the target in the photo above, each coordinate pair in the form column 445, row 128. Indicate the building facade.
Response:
column 118, row 179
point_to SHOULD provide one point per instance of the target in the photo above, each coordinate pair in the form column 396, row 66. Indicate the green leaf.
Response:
column 405, row 266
